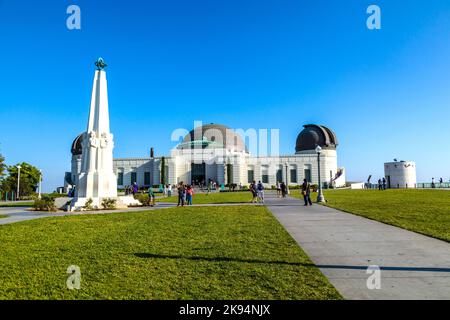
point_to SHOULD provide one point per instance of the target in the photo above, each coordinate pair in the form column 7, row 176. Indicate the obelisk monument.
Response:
column 97, row 180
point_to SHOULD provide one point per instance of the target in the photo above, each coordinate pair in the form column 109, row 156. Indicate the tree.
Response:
column 29, row 179
column 2, row 166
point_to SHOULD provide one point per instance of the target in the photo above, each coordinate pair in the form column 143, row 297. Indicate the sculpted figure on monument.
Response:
column 93, row 140
column 104, row 141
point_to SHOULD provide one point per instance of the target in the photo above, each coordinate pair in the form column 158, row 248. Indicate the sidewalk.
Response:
column 343, row 245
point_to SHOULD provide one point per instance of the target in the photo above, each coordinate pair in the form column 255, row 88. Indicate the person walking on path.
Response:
column 189, row 195
column 260, row 189
column 208, row 189
column 283, row 189
column 151, row 196
column 278, row 186
column 306, row 192
column 181, row 194
column 169, row 190
column 380, row 185
column 384, row 183
column 254, row 192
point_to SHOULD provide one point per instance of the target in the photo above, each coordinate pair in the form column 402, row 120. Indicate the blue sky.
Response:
column 246, row 64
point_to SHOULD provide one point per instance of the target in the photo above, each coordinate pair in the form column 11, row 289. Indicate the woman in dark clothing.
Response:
column 306, row 192
column 181, row 194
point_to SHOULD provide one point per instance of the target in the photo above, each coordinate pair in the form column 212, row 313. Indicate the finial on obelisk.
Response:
column 100, row 64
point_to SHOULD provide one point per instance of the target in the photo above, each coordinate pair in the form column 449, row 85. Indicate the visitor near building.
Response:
column 181, row 194
column 254, row 192
column 151, row 196
column 306, row 192
column 278, row 186
column 283, row 189
column 189, row 195
column 260, row 192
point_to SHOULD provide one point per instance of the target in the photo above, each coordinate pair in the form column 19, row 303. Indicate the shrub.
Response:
column 46, row 203
column 88, row 205
column 109, row 204
column 143, row 198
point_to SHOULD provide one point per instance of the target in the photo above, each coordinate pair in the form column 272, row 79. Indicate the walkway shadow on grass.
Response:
column 226, row 259
column 219, row 259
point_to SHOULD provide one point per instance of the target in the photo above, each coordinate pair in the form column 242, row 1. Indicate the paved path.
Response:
column 343, row 245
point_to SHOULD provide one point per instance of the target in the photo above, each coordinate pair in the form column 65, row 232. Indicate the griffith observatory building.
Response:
column 215, row 152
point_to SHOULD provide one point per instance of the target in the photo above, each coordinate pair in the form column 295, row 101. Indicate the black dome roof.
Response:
column 76, row 146
column 314, row 135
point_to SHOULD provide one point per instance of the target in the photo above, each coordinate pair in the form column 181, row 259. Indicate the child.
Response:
column 189, row 194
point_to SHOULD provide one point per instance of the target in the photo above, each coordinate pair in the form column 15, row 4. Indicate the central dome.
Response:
column 213, row 136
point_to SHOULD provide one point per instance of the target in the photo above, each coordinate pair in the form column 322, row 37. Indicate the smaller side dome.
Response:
column 315, row 135
column 77, row 148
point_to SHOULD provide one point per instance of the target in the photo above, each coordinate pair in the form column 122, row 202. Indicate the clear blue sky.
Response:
column 246, row 64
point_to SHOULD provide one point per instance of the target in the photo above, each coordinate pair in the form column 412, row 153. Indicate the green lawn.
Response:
column 16, row 204
column 423, row 211
column 215, row 198
column 237, row 252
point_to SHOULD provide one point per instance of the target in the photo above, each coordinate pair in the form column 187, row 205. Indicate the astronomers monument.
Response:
column 96, row 179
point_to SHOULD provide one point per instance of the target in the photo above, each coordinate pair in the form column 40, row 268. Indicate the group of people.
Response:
column 167, row 190
column 282, row 190
column 132, row 189
column 433, row 184
column 382, row 184
column 257, row 190
column 185, row 194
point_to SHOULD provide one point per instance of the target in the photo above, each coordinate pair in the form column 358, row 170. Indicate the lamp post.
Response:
column 40, row 183
column 320, row 197
column 287, row 177
column 18, row 182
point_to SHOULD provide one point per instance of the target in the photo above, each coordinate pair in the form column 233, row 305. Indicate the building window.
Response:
column 229, row 173
column 133, row 177
column 294, row 176
column 147, row 178
column 307, row 172
column 265, row 174
column 250, row 176
column 166, row 178
column 120, row 179
column 279, row 175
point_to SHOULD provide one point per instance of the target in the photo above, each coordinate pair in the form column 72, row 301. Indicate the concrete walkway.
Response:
column 343, row 245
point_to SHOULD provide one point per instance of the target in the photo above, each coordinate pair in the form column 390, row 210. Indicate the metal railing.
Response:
column 436, row 185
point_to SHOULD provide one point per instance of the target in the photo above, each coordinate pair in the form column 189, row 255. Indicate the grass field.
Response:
column 16, row 204
column 423, row 211
column 215, row 198
column 179, row 253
